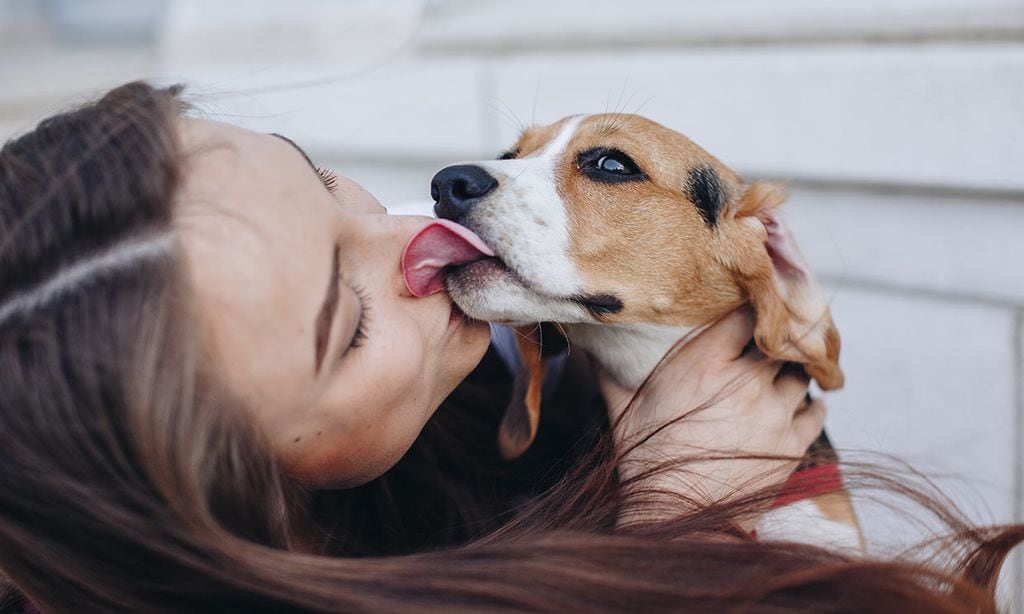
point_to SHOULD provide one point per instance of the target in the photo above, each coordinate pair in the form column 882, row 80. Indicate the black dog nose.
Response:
column 456, row 188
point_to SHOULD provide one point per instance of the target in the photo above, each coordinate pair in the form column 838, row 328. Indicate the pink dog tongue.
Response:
column 440, row 244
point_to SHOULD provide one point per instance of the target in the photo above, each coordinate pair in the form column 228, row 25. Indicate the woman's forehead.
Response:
column 216, row 151
column 255, row 179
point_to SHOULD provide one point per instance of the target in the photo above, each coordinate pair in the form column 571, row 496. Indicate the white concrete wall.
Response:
column 899, row 123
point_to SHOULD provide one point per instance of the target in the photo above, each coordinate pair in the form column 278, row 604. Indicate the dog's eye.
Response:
column 608, row 165
column 611, row 164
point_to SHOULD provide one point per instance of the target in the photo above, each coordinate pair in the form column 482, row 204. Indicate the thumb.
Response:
column 720, row 343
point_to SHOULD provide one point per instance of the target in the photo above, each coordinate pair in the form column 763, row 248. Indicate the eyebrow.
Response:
column 297, row 148
column 325, row 317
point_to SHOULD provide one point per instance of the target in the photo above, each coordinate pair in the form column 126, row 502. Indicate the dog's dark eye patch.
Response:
column 600, row 304
column 511, row 154
column 704, row 188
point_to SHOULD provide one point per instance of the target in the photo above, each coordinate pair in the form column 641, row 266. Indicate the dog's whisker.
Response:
column 568, row 344
column 617, row 119
column 643, row 104
column 503, row 115
column 533, row 110
column 622, row 92
column 519, row 123
column 526, row 337
column 612, row 114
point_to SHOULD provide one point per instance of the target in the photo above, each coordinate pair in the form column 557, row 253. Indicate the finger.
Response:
column 770, row 372
column 778, row 369
column 809, row 421
column 723, row 340
column 791, row 387
column 729, row 336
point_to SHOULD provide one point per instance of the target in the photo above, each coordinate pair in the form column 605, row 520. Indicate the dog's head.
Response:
column 617, row 219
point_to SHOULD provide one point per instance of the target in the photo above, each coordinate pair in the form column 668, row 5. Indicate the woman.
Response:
column 212, row 375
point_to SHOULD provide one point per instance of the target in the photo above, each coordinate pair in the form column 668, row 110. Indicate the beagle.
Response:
column 629, row 236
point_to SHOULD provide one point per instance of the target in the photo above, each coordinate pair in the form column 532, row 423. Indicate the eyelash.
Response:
column 329, row 177
column 360, row 336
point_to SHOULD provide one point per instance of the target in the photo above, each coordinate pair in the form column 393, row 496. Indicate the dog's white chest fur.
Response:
column 629, row 352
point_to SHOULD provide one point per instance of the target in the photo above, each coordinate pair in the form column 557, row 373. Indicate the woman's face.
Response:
column 299, row 292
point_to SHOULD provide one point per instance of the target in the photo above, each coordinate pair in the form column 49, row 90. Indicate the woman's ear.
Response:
column 793, row 318
column 535, row 344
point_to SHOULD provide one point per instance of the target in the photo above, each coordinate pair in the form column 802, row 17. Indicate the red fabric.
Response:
column 809, row 483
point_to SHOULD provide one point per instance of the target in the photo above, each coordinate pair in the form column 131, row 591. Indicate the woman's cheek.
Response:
column 401, row 368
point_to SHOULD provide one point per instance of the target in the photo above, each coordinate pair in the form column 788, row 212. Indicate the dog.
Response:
column 629, row 237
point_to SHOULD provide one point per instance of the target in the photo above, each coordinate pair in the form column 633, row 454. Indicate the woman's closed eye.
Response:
column 359, row 337
column 328, row 177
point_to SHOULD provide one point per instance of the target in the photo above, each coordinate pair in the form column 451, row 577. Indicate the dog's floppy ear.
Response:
column 535, row 344
column 793, row 319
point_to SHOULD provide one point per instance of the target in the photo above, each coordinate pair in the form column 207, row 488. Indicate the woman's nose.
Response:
column 385, row 238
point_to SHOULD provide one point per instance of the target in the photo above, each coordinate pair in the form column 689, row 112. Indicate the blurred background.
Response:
column 899, row 125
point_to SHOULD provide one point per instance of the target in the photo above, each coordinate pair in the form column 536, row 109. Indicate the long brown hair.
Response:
column 130, row 481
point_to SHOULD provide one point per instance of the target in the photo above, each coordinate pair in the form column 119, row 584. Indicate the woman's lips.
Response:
column 440, row 244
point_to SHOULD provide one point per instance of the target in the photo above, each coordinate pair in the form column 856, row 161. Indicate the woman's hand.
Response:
column 727, row 403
